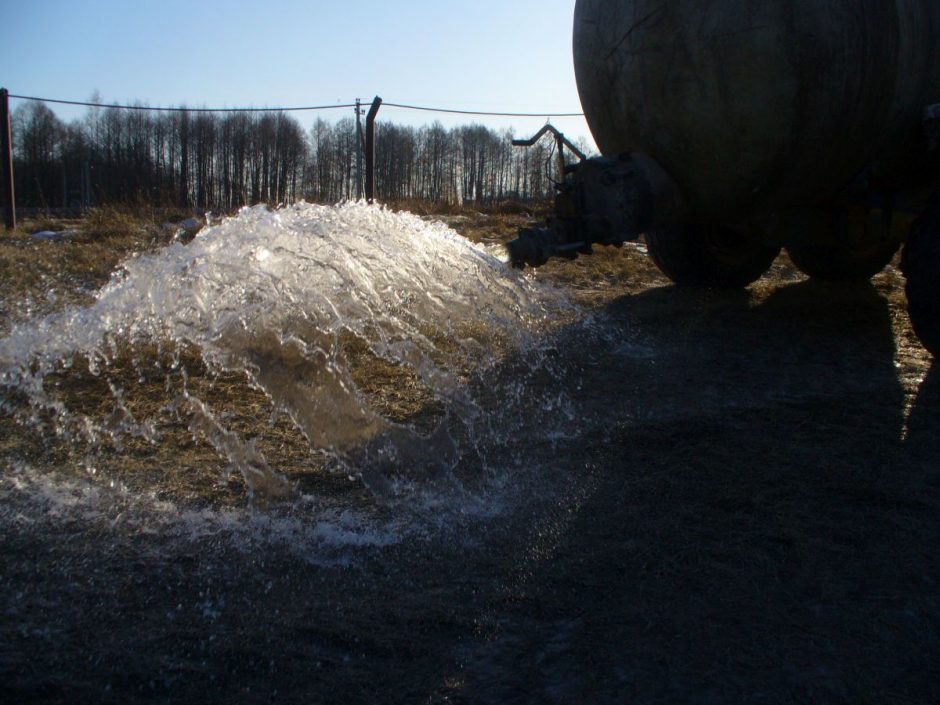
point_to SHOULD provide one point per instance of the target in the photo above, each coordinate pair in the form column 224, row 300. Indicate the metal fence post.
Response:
column 370, row 149
column 6, row 156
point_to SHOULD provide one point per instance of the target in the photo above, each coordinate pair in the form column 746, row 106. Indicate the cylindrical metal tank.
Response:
column 757, row 105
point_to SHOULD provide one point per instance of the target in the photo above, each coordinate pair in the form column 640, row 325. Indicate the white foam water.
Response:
column 319, row 532
column 274, row 295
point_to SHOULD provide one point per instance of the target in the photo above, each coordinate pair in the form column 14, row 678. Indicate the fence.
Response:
column 366, row 149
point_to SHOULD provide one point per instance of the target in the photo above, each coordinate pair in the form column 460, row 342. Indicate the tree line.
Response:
column 216, row 161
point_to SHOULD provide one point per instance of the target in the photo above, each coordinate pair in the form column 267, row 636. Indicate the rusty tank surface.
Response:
column 731, row 128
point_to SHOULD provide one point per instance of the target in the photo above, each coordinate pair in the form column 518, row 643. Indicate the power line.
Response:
column 482, row 112
column 452, row 111
column 183, row 110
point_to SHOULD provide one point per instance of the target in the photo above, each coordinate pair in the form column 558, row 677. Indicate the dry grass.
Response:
column 42, row 276
column 471, row 210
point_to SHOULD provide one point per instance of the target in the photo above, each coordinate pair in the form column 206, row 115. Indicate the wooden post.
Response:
column 6, row 159
column 370, row 149
column 359, row 149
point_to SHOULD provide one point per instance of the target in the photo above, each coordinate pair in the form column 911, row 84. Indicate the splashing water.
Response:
column 287, row 297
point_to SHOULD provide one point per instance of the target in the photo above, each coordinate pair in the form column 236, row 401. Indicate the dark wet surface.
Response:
column 746, row 509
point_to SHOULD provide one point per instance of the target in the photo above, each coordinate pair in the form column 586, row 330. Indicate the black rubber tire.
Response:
column 920, row 263
column 713, row 256
column 836, row 263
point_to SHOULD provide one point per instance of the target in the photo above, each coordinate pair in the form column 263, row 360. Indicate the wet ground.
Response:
column 744, row 507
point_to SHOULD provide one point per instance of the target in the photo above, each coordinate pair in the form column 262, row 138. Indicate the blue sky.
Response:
column 509, row 55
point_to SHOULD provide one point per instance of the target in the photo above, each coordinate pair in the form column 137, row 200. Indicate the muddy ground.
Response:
column 744, row 508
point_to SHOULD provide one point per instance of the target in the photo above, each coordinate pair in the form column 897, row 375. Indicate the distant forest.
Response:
column 220, row 162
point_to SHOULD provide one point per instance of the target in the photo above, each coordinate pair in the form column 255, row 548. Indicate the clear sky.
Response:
column 491, row 55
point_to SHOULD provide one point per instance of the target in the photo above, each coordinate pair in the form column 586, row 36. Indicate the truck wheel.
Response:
column 860, row 251
column 920, row 263
column 838, row 263
column 715, row 256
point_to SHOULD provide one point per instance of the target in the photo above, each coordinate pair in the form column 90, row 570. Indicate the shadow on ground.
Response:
column 762, row 522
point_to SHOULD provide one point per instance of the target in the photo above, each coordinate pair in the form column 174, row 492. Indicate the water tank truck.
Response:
column 732, row 128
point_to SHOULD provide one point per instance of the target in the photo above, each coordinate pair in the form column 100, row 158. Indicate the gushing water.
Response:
column 287, row 298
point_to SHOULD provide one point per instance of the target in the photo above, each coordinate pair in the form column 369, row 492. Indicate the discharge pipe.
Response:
column 605, row 201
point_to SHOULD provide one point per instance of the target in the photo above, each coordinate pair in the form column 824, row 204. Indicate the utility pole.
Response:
column 6, row 154
column 360, row 148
